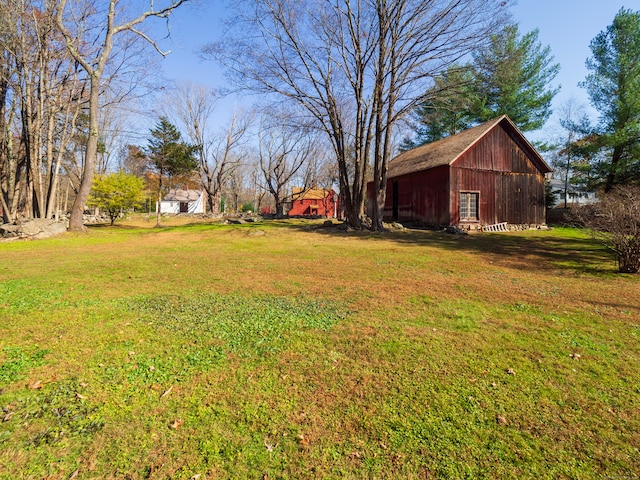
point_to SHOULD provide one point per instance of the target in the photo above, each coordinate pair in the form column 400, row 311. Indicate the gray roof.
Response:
column 179, row 195
column 448, row 150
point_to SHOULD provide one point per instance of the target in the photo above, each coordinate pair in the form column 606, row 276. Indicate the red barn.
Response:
column 485, row 175
column 313, row 201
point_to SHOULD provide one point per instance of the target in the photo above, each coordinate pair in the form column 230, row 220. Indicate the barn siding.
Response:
column 497, row 151
column 514, row 198
column 422, row 197
column 520, row 198
column 471, row 180
column 511, row 187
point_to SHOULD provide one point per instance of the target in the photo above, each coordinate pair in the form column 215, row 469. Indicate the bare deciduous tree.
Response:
column 615, row 222
column 220, row 153
column 74, row 20
column 574, row 122
column 40, row 99
column 282, row 153
column 241, row 187
column 11, row 156
column 355, row 67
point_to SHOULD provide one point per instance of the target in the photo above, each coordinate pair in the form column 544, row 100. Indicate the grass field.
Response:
column 280, row 350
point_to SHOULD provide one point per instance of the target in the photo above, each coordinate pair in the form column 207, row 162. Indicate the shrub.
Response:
column 247, row 207
column 615, row 221
column 116, row 193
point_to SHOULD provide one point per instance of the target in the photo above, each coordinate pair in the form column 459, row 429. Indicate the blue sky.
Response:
column 567, row 26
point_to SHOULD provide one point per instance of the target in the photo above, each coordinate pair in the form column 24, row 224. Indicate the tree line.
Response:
column 63, row 62
column 235, row 167
column 360, row 71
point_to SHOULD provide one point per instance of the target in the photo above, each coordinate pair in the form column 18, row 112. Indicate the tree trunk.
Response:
column 158, row 207
column 213, row 196
column 611, row 180
column 378, row 166
column 215, row 203
column 11, row 174
column 279, row 205
column 352, row 207
column 75, row 220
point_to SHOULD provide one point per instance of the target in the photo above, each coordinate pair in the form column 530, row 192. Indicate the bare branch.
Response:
column 149, row 40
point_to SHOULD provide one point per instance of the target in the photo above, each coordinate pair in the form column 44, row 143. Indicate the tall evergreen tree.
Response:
column 169, row 155
column 513, row 77
column 614, row 89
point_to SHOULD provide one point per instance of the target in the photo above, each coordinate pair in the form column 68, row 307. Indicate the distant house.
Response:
column 485, row 175
column 313, row 201
column 183, row 201
column 573, row 195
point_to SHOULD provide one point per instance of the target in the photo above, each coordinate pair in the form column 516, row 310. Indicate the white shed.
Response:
column 183, row 201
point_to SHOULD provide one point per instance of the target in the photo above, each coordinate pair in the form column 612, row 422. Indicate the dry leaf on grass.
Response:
column 269, row 446
column 176, row 424
column 167, row 392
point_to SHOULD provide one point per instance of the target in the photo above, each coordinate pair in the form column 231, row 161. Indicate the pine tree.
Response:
column 513, row 76
column 169, row 155
column 449, row 110
column 614, row 89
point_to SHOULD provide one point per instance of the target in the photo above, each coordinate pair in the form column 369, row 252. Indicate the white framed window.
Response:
column 469, row 206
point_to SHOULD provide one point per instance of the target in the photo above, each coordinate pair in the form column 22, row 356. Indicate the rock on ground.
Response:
column 36, row 228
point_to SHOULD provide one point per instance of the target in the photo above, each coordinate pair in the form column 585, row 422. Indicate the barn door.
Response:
column 184, row 207
column 394, row 195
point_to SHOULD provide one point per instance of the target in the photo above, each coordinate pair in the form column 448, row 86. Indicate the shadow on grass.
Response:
column 151, row 225
column 559, row 249
column 115, row 227
column 541, row 250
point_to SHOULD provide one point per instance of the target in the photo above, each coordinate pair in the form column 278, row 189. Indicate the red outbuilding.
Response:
column 314, row 202
column 486, row 175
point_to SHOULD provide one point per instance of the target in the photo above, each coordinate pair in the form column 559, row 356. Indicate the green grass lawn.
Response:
column 280, row 350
